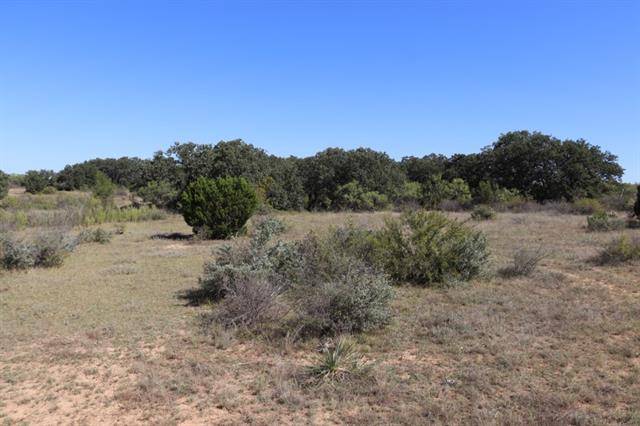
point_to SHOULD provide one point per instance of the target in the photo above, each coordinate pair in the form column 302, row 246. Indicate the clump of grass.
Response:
column 483, row 212
column 620, row 250
column 336, row 362
column 602, row 221
column 525, row 261
column 97, row 235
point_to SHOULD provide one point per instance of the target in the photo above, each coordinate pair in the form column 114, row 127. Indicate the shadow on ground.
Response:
column 175, row 236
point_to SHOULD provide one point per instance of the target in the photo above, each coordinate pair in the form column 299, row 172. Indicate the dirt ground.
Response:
column 108, row 339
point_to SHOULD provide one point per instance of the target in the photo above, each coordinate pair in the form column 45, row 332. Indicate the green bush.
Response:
column 159, row 193
column 36, row 181
column 491, row 193
column 103, row 188
column 587, row 206
column 352, row 196
column 4, row 184
column 97, row 235
column 620, row 250
column 218, row 208
column 427, row 247
column 604, row 222
column 483, row 212
column 436, row 190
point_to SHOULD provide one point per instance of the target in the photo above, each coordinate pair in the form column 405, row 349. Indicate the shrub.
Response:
column 587, row 206
column 525, row 261
column 17, row 254
column 253, row 303
column 51, row 248
column 159, row 193
column 36, row 181
column 436, row 190
column 4, row 184
column 491, row 193
column 218, row 208
column 97, row 235
column 427, row 247
column 244, row 262
column 352, row 298
column 604, row 222
column 409, row 195
column 483, row 212
column 46, row 250
column 352, row 196
column 620, row 250
column 103, row 188
column 636, row 206
column 325, row 288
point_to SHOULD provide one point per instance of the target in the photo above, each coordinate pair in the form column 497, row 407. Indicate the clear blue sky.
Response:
column 114, row 78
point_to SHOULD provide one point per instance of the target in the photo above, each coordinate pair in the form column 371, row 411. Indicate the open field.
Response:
column 108, row 338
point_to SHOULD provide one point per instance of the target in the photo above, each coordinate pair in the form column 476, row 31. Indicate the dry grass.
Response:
column 106, row 339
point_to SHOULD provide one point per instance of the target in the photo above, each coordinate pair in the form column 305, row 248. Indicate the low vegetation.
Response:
column 525, row 261
column 483, row 212
column 620, row 250
column 46, row 250
column 605, row 222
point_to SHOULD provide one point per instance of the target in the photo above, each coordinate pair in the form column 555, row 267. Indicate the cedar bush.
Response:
column 4, row 184
column 220, row 208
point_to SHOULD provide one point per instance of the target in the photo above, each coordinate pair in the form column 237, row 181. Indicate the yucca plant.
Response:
column 336, row 362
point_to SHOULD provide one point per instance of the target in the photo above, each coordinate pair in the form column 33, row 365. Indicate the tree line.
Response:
column 523, row 164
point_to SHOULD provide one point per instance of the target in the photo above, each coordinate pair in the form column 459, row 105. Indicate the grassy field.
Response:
column 109, row 338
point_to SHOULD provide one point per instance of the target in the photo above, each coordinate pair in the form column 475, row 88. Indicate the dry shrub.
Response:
column 252, row 303
column 46, row 249
column 525, row 261
column 620, row 250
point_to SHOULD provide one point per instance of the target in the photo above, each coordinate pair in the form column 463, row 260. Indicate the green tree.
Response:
column 161, row 194
column 547, row 168
column 36, row 181
column 218, row 208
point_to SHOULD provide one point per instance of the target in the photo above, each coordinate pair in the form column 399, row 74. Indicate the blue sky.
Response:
column 109, row 78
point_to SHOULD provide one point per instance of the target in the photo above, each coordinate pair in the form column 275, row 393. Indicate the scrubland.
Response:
column 112, row 336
